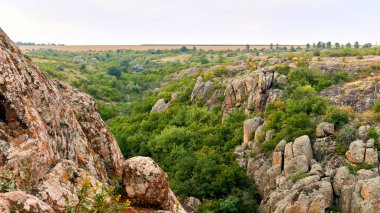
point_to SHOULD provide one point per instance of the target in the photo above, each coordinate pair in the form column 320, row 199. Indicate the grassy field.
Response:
column 79, row 48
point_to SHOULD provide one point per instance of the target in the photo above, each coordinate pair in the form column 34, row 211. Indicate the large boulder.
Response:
column 250, row 126
column 302, row 146
column 19, row 201
column 191, row 204
column 145, row 182
column 324, row 129
column 202, row 90
column 361, row 197
column 160, row 106
column 356, row 152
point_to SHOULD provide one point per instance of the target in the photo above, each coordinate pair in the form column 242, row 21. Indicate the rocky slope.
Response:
column 304, row 175
column 51, row 138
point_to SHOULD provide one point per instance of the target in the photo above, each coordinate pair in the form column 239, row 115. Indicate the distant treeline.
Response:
column 19, row 43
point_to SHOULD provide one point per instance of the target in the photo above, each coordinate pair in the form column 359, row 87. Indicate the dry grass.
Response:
column 81, row 48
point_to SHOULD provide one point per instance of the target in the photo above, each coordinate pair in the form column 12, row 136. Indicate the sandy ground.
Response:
column 78, row 48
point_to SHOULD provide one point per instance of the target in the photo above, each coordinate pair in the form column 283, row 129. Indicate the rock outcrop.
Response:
column 51, row 137
column 145, row 182
column 19, row 201
column 359, row 95
column 160, row 106
column 309, row 176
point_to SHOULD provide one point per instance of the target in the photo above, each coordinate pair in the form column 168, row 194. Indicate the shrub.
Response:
column 372, row 133
column 347, row 134
column 337, row 117
column 354, row 169
column 298, row 176
column 107, row 200
column 376, row 106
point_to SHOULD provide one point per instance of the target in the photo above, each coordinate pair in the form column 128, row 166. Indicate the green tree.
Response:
column 356, row 45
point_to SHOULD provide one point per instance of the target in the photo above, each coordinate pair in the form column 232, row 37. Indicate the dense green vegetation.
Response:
column 193, row 146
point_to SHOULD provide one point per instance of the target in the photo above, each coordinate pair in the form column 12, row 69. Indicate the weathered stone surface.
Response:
column 302, row 146
column 60, row 185
column 277, row 159
column 342, row 178
column 362, row 197
column 145, row 182
column 48, row 122
column 298, row 164
column 281, row 80
column 312, row 195
column 191, row 204
column 107, row 152
column 280, row 147
column 250, row 126
column 356, row 152
column 371, row 156
column 324, row 129
column 359, row 95
column 324, row 148
column 260, row 134
column 160, row 106
column 51, row 137
column 202, row 90
column 19, row 201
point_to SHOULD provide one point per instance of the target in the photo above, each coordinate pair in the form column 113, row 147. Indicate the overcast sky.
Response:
column 191, row 21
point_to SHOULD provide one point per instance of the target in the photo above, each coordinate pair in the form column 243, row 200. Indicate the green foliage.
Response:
column 291, row 117
column 344, row 138
column 93, row 199
column 347, row 134
column 192, row 145
column 376, row 106
column 7, row 186
column 298, row 176
column 337, row 117
column 282, row 69
column 355, row 168
column 372, row 133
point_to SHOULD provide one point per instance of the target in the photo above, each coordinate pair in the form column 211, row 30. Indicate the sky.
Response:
column 81, row 22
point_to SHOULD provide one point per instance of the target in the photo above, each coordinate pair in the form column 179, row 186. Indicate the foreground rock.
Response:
column 145, row 182
column 19, row 201
column 51, row 138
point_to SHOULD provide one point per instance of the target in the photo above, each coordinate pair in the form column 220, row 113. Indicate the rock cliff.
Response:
column 51, row 138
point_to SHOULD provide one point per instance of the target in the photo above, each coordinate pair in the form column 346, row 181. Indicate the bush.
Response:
column 298, row 176
column 347, row 135
column 372, row 134
column 376, row 106
column 355, row 168
column 337, row 117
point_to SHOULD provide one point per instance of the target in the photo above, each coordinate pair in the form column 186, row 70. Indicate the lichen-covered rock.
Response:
column 101, row 140
column 202, row 90
column 46, row 122
column 342, row 178
column 58, row 188
column 250, row 126
column 302, row 146
column 324, row 148
column 145, row 182
column 191, row 204
column 371, row 156
column 19, row 201
column 160, row 106
column 359, row 95
column 356, row 152
column 298, row 164
column 324, row 129
column 362, row 197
